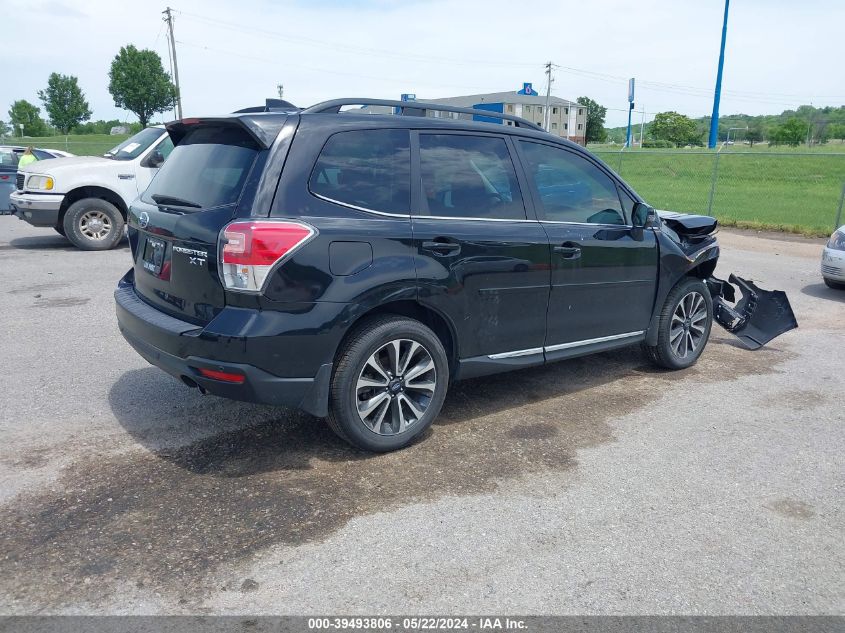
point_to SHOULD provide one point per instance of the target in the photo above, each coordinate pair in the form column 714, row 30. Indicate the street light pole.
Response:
column 714, row 120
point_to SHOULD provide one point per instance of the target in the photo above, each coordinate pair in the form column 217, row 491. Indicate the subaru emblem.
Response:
column 143, row 220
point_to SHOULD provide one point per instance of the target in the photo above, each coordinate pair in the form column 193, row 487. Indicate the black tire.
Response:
column 836, row 285
column 680, row 341
column 93, row 224
column 60, row 230
column 397, row 398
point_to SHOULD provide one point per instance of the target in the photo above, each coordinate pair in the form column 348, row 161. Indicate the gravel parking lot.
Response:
column 597, row 485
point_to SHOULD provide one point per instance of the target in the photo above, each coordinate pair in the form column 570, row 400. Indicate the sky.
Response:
column 780, row 54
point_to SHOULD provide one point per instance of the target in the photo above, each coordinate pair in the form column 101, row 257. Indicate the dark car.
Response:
column 354, row 265
column 9, row 157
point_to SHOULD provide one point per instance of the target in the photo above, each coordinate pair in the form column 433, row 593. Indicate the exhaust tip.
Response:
column 190, row 382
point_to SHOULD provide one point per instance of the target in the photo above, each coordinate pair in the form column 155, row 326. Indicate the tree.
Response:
column 836, row 130
column 5, row 130
column 676, row 128
column 595, row 121
column 790, row 133
column 754, row 134
column 24, row 112
column 64, row 102
column 138, row 83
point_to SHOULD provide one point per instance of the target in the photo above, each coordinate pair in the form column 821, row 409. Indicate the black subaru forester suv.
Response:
column 353, row 265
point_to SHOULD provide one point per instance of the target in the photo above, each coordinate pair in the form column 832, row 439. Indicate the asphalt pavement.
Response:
column 593, row 486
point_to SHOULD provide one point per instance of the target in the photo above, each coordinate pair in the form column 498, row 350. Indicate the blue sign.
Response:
column 527, row 89
column 408, row 96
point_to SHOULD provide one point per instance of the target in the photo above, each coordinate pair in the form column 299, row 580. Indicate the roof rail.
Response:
column 416, row 108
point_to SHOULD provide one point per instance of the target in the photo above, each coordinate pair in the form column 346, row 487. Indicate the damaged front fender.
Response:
column 759, row 315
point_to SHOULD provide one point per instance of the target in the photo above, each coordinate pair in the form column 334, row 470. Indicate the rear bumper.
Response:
column 169, row 343
column 38, row 210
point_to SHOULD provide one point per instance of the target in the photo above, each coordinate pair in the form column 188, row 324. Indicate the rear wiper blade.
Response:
column 172, row 200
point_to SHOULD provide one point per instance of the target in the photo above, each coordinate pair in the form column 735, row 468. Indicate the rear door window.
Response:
column 467, row 176
column 206, row 170
column 368, row 169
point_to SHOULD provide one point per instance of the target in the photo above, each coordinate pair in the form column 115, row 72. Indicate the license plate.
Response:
column 153, row 256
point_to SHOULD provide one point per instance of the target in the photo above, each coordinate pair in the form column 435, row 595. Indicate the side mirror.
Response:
column 642, row 215
column 155, row 159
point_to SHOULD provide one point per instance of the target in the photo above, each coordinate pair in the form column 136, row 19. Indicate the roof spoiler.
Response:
column 262, row 129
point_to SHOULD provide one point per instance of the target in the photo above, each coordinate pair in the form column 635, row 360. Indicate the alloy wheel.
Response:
column 686, row 333
column 395, row 386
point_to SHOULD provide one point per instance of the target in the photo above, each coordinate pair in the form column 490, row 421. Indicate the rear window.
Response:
column 207, row 169
column 8, row 158
column 370, row 169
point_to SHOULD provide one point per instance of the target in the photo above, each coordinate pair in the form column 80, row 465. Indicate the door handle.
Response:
column 568, row 250
column 442, row 247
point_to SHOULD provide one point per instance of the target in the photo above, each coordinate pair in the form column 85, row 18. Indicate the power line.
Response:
column 404, row 80
column 333, row 45
column 658, row 86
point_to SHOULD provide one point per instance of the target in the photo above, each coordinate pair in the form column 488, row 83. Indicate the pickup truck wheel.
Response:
column 93, row 224
column 389, row 382
column 684, row 325
column 836, row 285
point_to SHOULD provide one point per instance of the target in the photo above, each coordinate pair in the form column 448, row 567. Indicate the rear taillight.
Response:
column 252, row 248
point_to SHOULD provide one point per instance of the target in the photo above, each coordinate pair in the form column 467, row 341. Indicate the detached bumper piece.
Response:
column 759, row 315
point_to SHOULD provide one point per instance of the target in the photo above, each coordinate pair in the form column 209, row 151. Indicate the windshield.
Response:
column 135, row 145
column 207, row 169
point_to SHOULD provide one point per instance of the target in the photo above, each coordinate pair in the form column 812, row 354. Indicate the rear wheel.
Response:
column 389, row 383
column 836, row 285
column 684, row 325
column 93, row 224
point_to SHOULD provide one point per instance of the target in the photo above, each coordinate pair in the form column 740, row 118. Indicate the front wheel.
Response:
column 93, row 224
column 389, row 383
column 684, row 325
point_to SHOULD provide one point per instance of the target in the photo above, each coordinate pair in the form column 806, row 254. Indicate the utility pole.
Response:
column 169, row 19
column 714, row 120
column 630, row 110
column 642, row 125
column 547, row 118
column 281, row 90
column 809, row 125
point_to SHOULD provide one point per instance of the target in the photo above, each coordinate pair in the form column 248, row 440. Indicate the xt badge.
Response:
column 195, row 257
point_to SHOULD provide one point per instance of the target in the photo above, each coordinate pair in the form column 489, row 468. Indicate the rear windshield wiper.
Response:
column 172, row 200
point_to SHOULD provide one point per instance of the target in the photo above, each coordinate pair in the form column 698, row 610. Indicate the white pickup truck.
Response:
column 86, row 198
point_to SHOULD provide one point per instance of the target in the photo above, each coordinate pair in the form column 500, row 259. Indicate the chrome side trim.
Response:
column 590, row 341
column 416, row 216
column 516, row 354
column 364, row 209
column 455, row 217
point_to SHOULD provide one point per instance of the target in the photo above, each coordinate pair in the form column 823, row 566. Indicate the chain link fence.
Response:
column 801, row 192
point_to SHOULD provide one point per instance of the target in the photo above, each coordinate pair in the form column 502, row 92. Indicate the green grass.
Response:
column 779, row 191
column 82, row 144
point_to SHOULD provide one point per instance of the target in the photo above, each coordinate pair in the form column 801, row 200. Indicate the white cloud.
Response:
column 232, row 55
